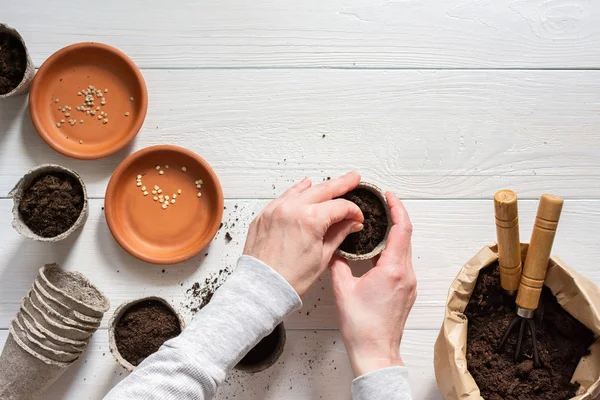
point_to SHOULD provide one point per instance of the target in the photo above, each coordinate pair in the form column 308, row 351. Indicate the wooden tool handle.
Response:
column 509, row 245
column 538, row 255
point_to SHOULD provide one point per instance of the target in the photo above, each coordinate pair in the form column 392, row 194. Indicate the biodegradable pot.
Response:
column 23, row 374
column 576, row 294
column 114, row 320
column 61, row 308
column 41, row 349
column 39, row 303
column 48, row 341
column 381, row 246
column 17, row 195
column 73, row 290
column 58, row 329
column 30, row 322
column 23, row 86
column 272, row 358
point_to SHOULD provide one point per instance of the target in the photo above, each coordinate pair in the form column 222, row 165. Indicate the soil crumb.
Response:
column 264, row 349
column 13, row 62
column 375, row 225
column 143, row 328
column 199, row 295
column 52, row 204
column 562, row 341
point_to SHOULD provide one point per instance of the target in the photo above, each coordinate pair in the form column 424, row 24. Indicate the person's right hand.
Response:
column 373, row 309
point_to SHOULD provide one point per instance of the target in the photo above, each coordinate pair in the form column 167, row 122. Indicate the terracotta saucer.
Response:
column 139, row 223
column 66, row 73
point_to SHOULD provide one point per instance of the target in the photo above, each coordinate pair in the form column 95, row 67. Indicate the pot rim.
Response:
column 272, row 358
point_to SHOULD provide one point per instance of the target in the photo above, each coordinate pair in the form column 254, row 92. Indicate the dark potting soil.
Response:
column 264, row 349
column 143, row 328
column 375, row 225
column 52, row 204
column 13, row 62
column 562, row 341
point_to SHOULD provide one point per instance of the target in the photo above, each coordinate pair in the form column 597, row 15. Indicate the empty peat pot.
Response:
column 138, row 328
column 50, row 203
column 369, row 242
column 16, row 67
column 266, row 353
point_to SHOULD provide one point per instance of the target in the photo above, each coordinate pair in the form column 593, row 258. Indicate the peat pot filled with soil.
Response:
column 50, row 203
column 369, row 242
column 16, row 68
column 138, row 328
column 468, row 363
column 266, row 353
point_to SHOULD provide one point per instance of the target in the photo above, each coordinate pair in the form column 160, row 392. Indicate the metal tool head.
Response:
column 522, row 322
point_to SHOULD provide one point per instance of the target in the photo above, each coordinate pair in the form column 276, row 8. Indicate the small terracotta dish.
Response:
column 142, row 226
column 56, row 93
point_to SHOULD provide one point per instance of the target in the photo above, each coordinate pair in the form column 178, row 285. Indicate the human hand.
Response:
column 297, row 233
column 373, row 308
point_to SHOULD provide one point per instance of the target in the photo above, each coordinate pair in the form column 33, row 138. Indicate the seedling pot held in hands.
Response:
column 25, row 182
column 577, row 295
column 114, row 320
column 29, row 73
column 379, row 195
column 266, row 353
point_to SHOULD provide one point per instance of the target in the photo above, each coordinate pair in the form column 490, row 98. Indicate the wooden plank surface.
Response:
column 430, row 134
column 315, row 33
column 447, row 234
column 314, row 365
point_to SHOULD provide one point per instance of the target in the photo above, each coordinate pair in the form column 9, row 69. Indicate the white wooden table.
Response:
column 441, row 101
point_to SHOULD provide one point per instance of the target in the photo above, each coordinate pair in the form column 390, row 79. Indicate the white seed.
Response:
column 178, row 191
column 88, row 112
column 78, row 93
column 105, row 120
column 159, row 191
column 127, row 114
column 173, row 201
column 69, row 108
column 56, row 100
column 161, row 172
column 81, row 142
column 78, row 108
column 183, row 169
column 198, row 186
column 139, row 177
column 105, row 90
column 99, row 116
column 167, row 197
column 157, row 167
column 155, row 198
column 58, row 124
column 62, row 121
column 131, row 98
column 164, row 206
column 145, row 193
column 174, row 196
column 98, row 108
column 138, row 183
column 166, row 166
column 199, row 194
column 144, row 188
column 156, row 187
column 154, row 192
column 81, row 121
column 67, row 115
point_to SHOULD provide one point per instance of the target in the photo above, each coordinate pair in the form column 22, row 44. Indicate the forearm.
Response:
column 383, row 384
column 245, row 309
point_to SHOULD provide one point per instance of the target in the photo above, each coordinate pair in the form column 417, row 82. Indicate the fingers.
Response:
column 334, row 211
column 336, row 235
column 294, row 190
column 341, row 275
column 332, row 188
column 398, row 246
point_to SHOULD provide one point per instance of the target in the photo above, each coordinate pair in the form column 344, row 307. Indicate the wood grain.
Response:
column 430, row 134
column 313, row 365
column 315, row 33
column 446, row 235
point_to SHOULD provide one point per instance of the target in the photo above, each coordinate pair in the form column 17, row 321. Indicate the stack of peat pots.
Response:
column 51, row 331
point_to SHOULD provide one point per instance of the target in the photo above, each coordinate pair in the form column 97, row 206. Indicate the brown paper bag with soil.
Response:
column 575, row 293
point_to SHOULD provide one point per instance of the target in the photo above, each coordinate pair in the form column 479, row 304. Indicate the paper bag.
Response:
column 575, row 293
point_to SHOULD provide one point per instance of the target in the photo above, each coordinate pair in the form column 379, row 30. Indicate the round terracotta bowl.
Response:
column 114, row 320
column 75, row 68
column 140, row 224
column 381, row 246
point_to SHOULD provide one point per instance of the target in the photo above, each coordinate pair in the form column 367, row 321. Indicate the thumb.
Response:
column 341, row 275
column 336, row 234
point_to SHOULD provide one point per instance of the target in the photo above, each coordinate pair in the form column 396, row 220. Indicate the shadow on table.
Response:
column 10, row 110
column 153, row 274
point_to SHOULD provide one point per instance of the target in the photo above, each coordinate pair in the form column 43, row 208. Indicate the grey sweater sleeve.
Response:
column 246, row 308
column 383, row 384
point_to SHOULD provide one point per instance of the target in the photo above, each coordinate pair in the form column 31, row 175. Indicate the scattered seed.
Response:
column 131, row 98
column 139, row 177
column 161, row 172
column 56, row 100
column 99, row 116
column 178, row 191
column 166, row 197
column 199, row 194
column 62, row 121
column 98, row 108
column 88, row 112
column 144, row 188
column 145, row 193
column 81, row 142
column 154, row 192
column 173, row 201
column 58, row 124
column 159, row 191
column 164, row 206
column 67, row 115
column 78, row 93
column 157, row 167
column 127, row 114
column 156, row 187
column 105, row 90
column 155, row 198
column 198, row 186
column 81, row 121
column 166, row 166
column 174, row 196
column 138, row 183
column 105, row 120
column 183, row 169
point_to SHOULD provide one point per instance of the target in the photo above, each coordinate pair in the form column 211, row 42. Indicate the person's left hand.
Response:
column 298, row 233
